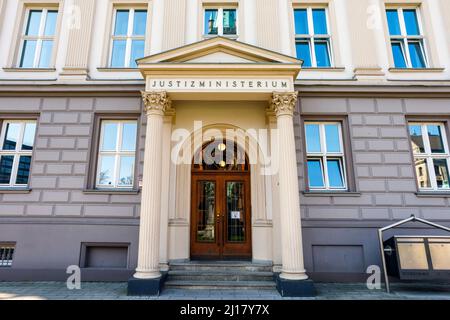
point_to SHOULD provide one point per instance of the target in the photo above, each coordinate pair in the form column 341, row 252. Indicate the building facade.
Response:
column 110, row 111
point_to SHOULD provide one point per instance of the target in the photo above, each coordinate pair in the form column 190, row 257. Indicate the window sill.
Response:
column 433, row 194
column 331, row 194
column 324, row 69
column 29, row 69
column 107, row 69
column 105, row 191
column 415, row 70
column 15, row 190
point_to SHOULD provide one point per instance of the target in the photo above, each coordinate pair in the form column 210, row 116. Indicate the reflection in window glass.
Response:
column 129, row 136
column 430, row 155
column 393, row 22
column 140, row 22
column 23, row 172
column 313, row 42
column 303, row 52
column 325, row 157
column 28, row 52
column 211, row 26
column 50, row 23
column 137, row 52
column 322, row 54
column 423, row 177
column 28, row 136
column 335, row 174
column 411, row 23
column 415, row 132
column 320, row 21
column 407, row 42
column 34, row 22
column 11, row 136
column 121, row 25
column 415, row 52
column 109, row 136
column 301, row 21
column 117, row 161
column 118, row 53
column 399, row 57
column 46, row 54
column 441, row 172
column 16, row 147
column 106, row 175
column 332, row 138
column 315, row 174
column 312, row 138
column 128, row 39
column 37, row 39
column 435, row 137
column 6, row 164
column 126, row 171
column 229, row 21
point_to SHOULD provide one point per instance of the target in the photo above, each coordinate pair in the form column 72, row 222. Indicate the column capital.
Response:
column 156, row 102
column 283, row 103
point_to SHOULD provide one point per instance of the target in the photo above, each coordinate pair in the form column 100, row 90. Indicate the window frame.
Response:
column 311, row 37
column 39, row 38
column 96, row 154
column 220, row 9
column 323, row 156
column 17, row 153
column 129, row 37
column 404, row 39
column 428, row 156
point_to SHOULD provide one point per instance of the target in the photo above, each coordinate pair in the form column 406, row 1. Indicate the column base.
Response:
column 146, row 287
column 295, row 288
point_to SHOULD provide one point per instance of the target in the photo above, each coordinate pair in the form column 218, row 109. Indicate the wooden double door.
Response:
column 220, row 216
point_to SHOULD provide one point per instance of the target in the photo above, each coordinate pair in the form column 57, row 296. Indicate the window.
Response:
column 220, row 21
column 38, row 38
column 16, row 147
column 312, row 37
column 406, row 37
column 117, row 153
column 325, row 156
column 6, row 254
column 431, row 155
column 128, row 37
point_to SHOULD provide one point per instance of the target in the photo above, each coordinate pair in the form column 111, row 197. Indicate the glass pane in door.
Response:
column 235, row 212
column 206, row 208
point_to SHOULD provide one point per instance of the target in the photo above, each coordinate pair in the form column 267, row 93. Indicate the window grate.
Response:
column 6, row 255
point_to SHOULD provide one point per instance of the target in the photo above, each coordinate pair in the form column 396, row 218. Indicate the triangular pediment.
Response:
column 219, row 50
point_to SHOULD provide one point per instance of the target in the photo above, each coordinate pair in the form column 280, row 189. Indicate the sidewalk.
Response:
column 117, row 291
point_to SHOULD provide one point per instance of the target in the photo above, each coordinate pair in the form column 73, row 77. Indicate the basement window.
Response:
column 6, row 255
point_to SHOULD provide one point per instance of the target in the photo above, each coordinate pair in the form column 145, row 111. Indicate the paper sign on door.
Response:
column 235, row 215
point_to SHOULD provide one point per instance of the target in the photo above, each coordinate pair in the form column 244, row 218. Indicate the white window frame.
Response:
column 117, row 154
column 428, row 156
column 323, row 156
column 220, row 21
column 311, row 37
column 17, row 153
column 129, row 37
column 39, row 38
column 404, row 39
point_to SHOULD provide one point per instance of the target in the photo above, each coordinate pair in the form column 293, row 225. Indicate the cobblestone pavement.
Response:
column 117, row 291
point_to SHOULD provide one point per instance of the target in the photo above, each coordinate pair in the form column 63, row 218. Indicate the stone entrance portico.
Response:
column 217, row 73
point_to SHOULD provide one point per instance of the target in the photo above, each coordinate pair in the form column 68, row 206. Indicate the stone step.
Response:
column 219, row 275
column 221, row 266
column 221, row 285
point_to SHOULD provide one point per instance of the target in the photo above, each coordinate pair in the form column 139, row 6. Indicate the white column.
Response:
column 191, row 21
column 283, row 104
column 155, row 105
column 156, row 40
